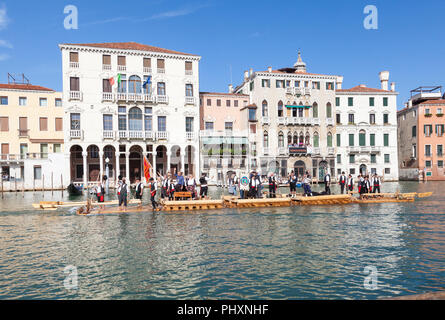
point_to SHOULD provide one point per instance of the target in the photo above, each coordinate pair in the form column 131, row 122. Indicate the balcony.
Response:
column 330, row 121
column 162, row 99
column 161, row 70
column 316, row 121
column 188, row 72
column 265, row 120
column 74, row 65
column 374, row 149
column 133, row 134
column 108, row 134
column 365, row 149
column 331, row 151
column 135, row 97
column 147, row 70
column 281, row 121
column 121, row 68
column 23, row 133
column 162, row 135
column 149, row 135
column 265, row 150
column 353, row 149
column 190, row 135
column 75, row 134
column 289, row 90
column 107, row 96
column 106, row 67
column 298, row 91
column 316, row 151
column 282, row 151
column 190, row 100
column 75, row 95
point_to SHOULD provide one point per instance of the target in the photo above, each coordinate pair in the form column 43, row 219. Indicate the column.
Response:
column 127, row 167
column 101, row 165
column 155, row 169
column 85, row 178
column 117, row 169
column 196, row 162
column 167, row 169
column 182, row 157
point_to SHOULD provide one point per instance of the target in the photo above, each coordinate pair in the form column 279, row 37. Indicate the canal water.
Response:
column 318, row 252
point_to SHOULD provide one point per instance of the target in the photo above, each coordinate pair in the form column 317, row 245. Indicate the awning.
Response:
column 295, row 106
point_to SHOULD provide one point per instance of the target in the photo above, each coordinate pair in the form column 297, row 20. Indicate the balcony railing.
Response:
column 108, row 134
column 74, row 65
column 190, row 135
column 107, row 96
column 161, row 70
column 307, row 91
column 316, row 151
column 188, row 72
column 316, row 121
column 75, row 134
column 135, row 134
column 142, row 97
column 75, row 95
column 23, row 133
column 190, row 100
column 374, row 149
column 265, row 150
column 353, row 149
column 281, row 120
column 135, row 97
column 147, row 70
column 331, row 151
column 162, row 135
column 329, row 121
column 289, row 90
column 265, row 120
column 121, row 68
column 23, row 156
column 162, row 99
column 149, row 135
column 365, row 149
column 106, row 67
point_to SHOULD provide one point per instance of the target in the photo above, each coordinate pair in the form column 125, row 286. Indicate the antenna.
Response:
column 12, row 79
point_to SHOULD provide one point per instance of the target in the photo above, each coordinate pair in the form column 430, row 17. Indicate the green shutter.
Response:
column 338, row 140
column 351, row 140
column 316, row 142
column 329, row 140
column 362, row 139
column 372, row 139
column 337, row 101
column 385, row 102
column 371, row 102
column 386, row 140
column 350, row 102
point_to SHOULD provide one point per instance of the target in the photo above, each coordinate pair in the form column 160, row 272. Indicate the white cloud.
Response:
column 177, row 13
column 5, row 44
column 4, row 57
column 4, row 20
column 105, row 21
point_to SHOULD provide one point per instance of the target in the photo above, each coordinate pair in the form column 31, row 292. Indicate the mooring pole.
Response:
column 61, row 183
column 43, row 185
column 52, row 185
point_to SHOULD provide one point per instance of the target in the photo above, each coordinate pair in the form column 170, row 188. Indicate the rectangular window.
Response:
column 428, row 150
column 4, row 124
column 316, row 85
column 297, row 84
column 209, row 102
column 352, row 158
column 22, row 101
column 75, row 121
column 58, row 102
column 279, row 84
column 161, row 89
column 59, row 124
column 251, row 85
column 218, row 102
column 329, row 86
column 44, row 150
column 350, row 102
column 386, row 158
column 373, row 158
column 108, row 122
column 428, row 129
column 23, row 126
column 106, row 59
column 372, row 118
column 385, row 118
column 209, row 126
column 428, row 164
column 37, row 172
column 74, row 84
column 440, row 150
column 4, row 101
column 148, row 122
column 106, row 85
column 252, row 114
column 338, row 140
column 43, row 124
column 439, row 130
column 162, row 123
column 372, row 139
column 350, row 118
column 386, row 140
column 121, row 61
column 338, row 158
column 337, row 101
column 265, row 83
column 338, row 118
column 161, row 64
column 351, row 140
column 74, row 57
column 362, row 139
column 387, row 170
column 371, row 101
column 235, row 103
column 440, row 163
column 414, row 131
column 43, row 102
column 228, row 126
column 188, row 66
column 189, row 124
column 146, row 63
column 227, row 103
column 122, row 122
column 57, row 148
column 189, row 90
column 23, row 150
column 385, row 101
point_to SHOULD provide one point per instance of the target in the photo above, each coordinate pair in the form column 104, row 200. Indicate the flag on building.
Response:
column 147, row 167
column 116, row 79
column 147, row 82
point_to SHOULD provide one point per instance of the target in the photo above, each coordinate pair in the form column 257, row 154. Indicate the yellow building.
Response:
column 31, row 129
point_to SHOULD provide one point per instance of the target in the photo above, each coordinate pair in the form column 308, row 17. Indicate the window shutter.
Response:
column 59, row 124
column 106, row 59
column 121, row 60
column 23, row 123
column 43, row 124
column 74, row 57
column 147, row 63
column 4, row 124
column 188, row 65
column 161, row 64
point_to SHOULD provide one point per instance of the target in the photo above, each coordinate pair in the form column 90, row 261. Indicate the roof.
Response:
column 437, row 101
column 250, row 106
column 296, row 72
column 27, row 87
column 128, row 46
column 362, row 89
column 224, row 94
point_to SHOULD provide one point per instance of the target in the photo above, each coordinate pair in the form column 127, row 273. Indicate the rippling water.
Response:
column 317, row 252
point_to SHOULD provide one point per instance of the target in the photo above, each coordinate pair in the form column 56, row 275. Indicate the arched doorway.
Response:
column 175, row 159
column 189, row 163
column 363, row 169
column 76, row 163
column 161, row 160
column 322, row 170
column 299, row 168
column 136, row 170
column 110, row 154
column 93, row 163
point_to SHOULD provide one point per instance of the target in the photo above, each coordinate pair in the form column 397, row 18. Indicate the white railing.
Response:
column 161, row 70
column 134, row 97
column 106, row 67
column 316, row 121
column 23, row 156
column 162, row 135
column 281, row 120
column 353, row 149
column 289, row 90
column 365, row 149
column 75, row 95
column 161, row 99
column 316, row 150
column 108, row 134
column 307, row 91
column 107, row 96
column 283, row 151
column 265, row 150
column 121, row 96
column 190, row 135
column 75, row 134
column 123, row 134
column 121, row 68
column 190, row 100
column 188, row 72
column 74, row 65
column 330, row 121
column 298, row 91
column 331, row 150
column 149, row 135
column 374, row 149
column 133, row 134
column 265, row 120
column 148, row 97
column 147, row 70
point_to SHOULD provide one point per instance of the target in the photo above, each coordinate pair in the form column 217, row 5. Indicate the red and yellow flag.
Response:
column 147, row 167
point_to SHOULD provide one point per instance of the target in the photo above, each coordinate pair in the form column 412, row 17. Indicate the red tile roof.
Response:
column 28, row 87
column 303, row 73
column 224, row 94
column 438, row 101
column 362, row 89
column 128, row 46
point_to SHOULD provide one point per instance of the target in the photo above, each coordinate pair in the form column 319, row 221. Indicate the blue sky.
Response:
column 238, row 35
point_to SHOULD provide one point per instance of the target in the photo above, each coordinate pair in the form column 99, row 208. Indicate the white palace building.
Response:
column 113, row 127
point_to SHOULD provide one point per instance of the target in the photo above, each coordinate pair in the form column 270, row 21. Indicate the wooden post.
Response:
column 61, row 183
column 52, row 185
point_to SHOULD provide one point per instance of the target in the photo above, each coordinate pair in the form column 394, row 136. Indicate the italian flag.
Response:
column 116, row 79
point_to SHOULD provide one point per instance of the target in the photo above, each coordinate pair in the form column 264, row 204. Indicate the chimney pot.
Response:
column 384, row 77
column 269, row 69
column 339, row 82
column 230, row 88
column 393, row 86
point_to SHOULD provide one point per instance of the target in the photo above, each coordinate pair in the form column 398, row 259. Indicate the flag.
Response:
column 147, row 167
column 147, row 82
column 113, row 80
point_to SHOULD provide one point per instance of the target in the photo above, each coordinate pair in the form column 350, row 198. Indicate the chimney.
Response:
column 384, row 77
column 246, row 75
column 269, row 69
column 250, row 72
column 339, row 82
column 362, row 86
column 393, row 86
column 230, row 88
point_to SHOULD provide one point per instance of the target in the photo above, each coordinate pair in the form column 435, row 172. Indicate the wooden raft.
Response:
column 54, row 205
column 264, row 202
column 191, row 205
column 322, row 200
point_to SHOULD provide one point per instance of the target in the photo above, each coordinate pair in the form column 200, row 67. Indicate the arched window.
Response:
column 266, row 140
column 301, row 140
column 280, row 139
column 289, row 138
column 362, row 138
column 264, row 109
column 329, row 139
column 295, row 140
column 280, row 109
column 300, row 110
column 316, row 140
column 134, row 84
column 135, row 119
column 307, row 140
column 328, row 110
column 294, row 110
column 315, row 110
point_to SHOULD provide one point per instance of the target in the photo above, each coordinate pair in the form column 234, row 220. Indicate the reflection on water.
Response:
column 315, row 252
